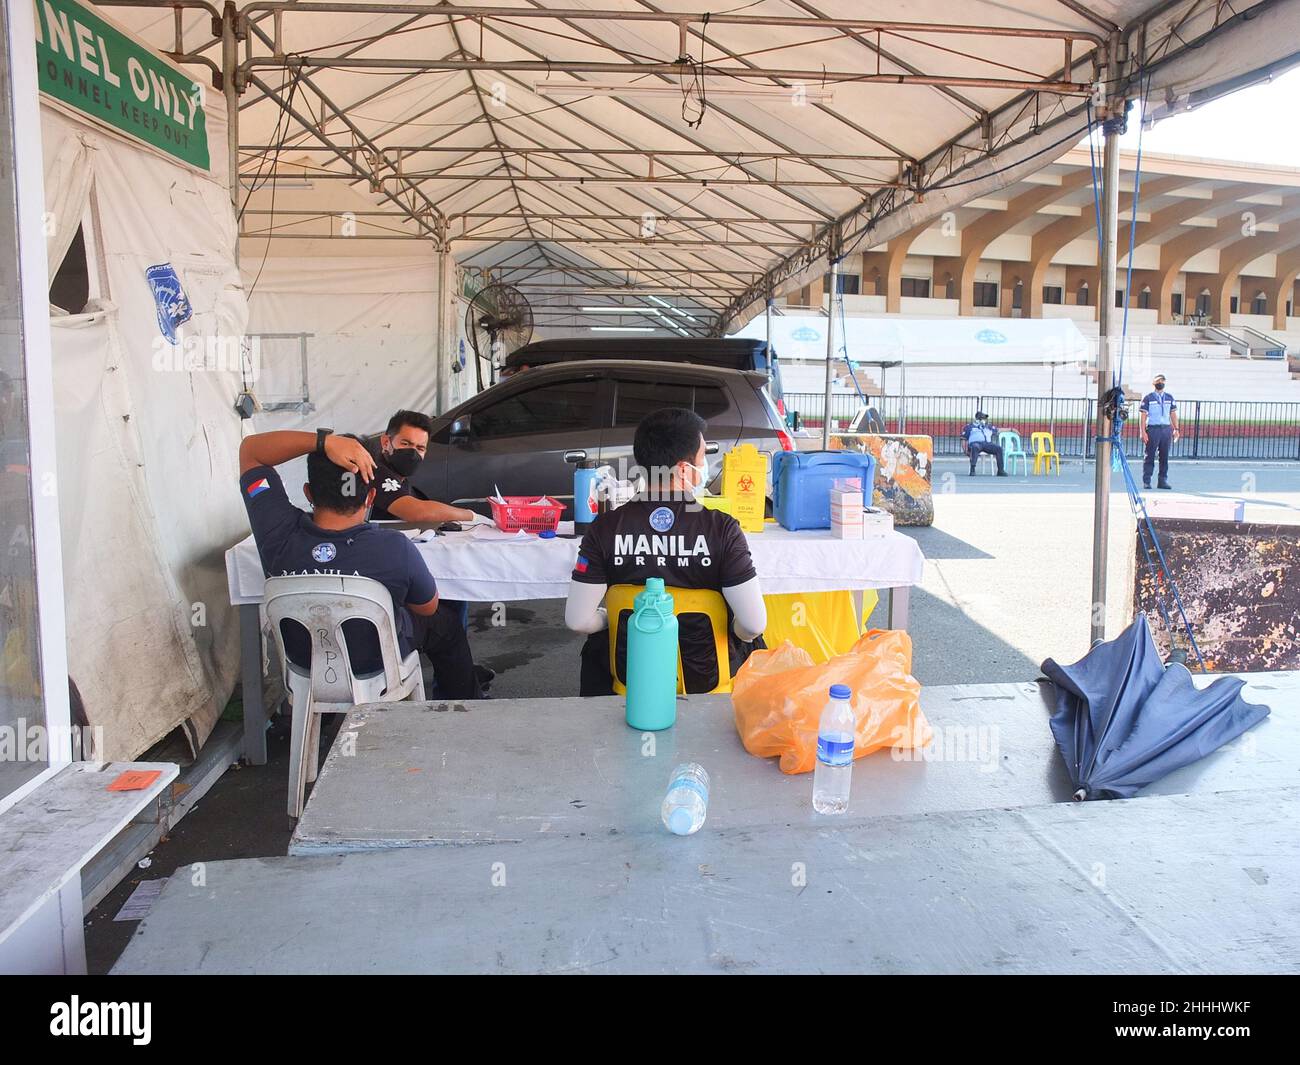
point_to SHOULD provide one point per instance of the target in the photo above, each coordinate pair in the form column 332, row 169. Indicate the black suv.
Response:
column 524, row 434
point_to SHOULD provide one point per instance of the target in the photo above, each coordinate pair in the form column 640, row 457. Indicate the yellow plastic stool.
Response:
column 824, row 624
column 1044, row 452
column 619, row 601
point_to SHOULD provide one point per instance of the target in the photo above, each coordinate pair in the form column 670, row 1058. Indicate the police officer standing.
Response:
column 1159, row 431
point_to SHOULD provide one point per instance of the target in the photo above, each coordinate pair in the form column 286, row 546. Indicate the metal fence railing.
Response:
column 1211, row 428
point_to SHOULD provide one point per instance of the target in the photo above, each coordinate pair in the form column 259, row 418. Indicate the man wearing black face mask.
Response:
column 397, row 452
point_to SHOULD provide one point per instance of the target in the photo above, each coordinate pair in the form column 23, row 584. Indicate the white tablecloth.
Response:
column 489, row 570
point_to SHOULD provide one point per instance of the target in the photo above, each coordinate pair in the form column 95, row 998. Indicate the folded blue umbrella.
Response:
column 1123, row 719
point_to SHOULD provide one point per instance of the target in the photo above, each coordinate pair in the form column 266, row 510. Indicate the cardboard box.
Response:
column 1197, row 508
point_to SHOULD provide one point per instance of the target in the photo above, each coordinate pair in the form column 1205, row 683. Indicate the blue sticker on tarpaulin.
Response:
column 169, row 297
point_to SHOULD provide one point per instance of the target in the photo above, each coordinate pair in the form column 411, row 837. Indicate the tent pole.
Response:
column 1051, row 407
column 902, row 395
column 445, row 352
column 767, row 313
column 1106, row 316
column 833, row 276
column 229, row 66
column 440, row 353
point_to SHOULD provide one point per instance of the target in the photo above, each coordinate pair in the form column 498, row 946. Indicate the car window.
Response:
column 552, row 408
column 710, row 401
column 636, row 399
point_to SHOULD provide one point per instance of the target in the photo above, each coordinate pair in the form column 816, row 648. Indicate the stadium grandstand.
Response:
column 1212, row 303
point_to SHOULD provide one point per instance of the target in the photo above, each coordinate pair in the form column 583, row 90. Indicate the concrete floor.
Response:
column 1006, row 584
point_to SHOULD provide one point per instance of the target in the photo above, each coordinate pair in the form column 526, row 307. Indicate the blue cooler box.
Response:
column 802, row 482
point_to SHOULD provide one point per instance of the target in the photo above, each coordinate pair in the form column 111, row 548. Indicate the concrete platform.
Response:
column 421, row 774
column 46, row 838
column 1165, row 884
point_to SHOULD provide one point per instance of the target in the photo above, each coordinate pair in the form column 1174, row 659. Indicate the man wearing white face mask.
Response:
column 664, row 533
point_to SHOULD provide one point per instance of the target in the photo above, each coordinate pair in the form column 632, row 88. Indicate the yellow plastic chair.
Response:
column 619, row 601
column 824, row 624
column 1044, row 452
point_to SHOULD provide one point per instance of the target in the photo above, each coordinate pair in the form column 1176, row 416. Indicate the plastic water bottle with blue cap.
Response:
column 834, row 772
column 687, row 803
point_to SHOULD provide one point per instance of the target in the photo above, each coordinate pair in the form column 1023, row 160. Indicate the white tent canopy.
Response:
column 595, row 153
column 926, row 341
column 590, row 155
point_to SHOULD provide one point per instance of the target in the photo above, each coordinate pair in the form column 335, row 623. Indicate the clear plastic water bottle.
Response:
column 834, row 772
column 687, row 803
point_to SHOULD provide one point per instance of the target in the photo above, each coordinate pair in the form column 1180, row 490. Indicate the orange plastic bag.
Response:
column 778, row 697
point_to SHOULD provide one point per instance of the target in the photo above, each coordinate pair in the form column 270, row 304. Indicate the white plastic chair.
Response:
column 321, row 604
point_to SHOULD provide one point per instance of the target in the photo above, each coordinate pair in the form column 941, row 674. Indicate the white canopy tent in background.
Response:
column 925, row 341
column 428, row 130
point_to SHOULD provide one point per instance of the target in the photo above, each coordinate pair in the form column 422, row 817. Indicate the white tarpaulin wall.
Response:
column 372, row 348
column 147, row 437
column 927, row 341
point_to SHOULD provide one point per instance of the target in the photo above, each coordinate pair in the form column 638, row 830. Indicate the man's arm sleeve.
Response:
column 748, row 610
column 589, row 568
column 270, row 514
column 422, row 587
column 737, row 565
column 582, row 611
column 389, row 489
column 1145, row 405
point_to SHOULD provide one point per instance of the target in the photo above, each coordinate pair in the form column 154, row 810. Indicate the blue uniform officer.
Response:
column 1159, row 431
column 979, row 436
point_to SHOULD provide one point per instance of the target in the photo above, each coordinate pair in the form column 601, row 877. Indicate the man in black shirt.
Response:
column 336, row 538
column 664, row 532
column 397, row 452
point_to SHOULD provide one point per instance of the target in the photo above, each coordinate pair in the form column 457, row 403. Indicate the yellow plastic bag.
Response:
column 778, row 697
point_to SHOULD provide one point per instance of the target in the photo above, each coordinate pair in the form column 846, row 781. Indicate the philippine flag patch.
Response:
column 580, row 566
column 257, row 486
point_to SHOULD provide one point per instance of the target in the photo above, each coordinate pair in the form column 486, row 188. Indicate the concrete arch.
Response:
column 1051, row 239
column 1283, row 283
column 976, row 237
column 1226, row 233
column 1237, row 256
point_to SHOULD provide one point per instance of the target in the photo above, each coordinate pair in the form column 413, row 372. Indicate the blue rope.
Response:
column 1096, row 190
column 1146, row 530
column 1132, row 233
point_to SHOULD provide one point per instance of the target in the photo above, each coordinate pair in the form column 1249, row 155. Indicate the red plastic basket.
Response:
column 519, row 512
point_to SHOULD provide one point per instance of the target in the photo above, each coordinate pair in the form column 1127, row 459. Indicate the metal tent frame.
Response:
column 525, row 141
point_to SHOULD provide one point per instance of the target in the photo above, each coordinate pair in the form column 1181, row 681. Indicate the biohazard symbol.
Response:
column 746, row 483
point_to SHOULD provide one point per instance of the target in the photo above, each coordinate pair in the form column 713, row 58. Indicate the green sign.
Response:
column 92, row 66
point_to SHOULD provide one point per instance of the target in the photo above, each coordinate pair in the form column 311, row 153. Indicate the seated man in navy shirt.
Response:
column 336, row 539
column 980, row 436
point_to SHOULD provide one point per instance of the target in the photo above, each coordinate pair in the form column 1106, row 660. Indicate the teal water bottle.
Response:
column 652, row 660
